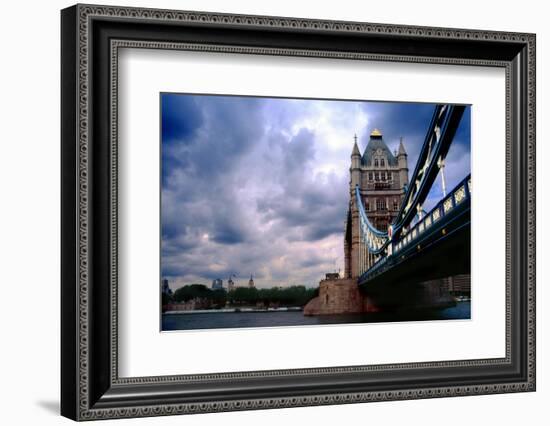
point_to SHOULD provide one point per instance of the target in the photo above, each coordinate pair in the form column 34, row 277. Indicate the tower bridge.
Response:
column 397, row 255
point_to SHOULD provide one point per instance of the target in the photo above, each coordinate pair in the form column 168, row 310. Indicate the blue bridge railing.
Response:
column 377, row 245
column 458, row 198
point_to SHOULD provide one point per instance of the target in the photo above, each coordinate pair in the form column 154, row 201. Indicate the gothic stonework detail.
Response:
column 382, row 177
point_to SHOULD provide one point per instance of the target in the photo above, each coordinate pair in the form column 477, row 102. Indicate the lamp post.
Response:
column 441, row 165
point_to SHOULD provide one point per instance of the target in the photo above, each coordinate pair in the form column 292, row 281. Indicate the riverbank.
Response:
column 234, row 310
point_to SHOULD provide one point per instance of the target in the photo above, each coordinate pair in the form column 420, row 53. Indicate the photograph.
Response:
column 293, row 211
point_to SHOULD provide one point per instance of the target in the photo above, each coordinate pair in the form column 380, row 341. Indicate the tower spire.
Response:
column 402, row 163
column 355, row 147
column 401, row 147
column 355, row 168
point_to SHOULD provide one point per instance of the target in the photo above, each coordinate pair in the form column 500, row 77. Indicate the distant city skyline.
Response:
column 260, row 185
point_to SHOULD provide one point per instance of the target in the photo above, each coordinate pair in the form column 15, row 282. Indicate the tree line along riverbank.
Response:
column 199, row 296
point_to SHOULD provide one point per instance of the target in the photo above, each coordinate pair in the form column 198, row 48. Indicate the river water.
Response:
column 212, row 320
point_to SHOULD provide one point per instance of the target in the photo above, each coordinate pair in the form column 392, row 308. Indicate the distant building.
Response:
column 217, row 284
column 251, row 282
column 190, row 305
column 230, row 284
column 459, row 285
column 166, row 288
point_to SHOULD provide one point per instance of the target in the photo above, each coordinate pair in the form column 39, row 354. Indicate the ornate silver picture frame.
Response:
column 91, row 386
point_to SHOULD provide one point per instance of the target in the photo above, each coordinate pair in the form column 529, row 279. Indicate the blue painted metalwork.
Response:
column 368, row 228
column 459, row 199
column 364, row 217
column 439, row 137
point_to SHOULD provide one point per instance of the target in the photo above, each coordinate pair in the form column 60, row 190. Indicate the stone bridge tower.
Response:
column 382, row 177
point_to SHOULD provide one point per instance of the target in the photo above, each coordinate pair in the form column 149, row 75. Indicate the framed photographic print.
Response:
column 263, row 212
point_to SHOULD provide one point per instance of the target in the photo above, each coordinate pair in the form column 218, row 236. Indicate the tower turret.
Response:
column 402, row 164
column 355, row 169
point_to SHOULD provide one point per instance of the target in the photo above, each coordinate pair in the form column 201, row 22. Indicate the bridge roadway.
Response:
column 433, row 248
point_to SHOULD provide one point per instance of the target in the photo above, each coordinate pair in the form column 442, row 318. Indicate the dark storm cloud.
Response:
column 229, row 233
column 198, row 158
column 212, row 132
column 300, row 150
column 309, row 205
column 180, row 118
column 318, row 214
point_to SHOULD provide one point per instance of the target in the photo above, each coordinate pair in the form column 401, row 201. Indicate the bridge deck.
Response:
column 440, row 251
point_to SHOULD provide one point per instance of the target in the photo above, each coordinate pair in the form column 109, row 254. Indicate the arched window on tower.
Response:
column 382, row 162
column 376, row 162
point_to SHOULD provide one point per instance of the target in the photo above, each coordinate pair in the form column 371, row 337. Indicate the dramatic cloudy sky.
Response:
column 260, row 185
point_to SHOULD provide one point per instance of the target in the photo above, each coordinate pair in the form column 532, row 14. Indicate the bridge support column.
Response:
column 355, row 241
column 336, row 296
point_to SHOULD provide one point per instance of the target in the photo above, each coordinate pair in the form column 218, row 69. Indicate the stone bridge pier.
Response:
column 343, row 296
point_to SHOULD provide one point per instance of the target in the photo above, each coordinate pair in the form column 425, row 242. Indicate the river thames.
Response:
column 216, row 320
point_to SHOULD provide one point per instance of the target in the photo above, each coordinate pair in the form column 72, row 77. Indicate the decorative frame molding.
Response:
column 91, row 37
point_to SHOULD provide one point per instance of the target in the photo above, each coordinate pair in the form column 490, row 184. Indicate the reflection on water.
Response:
column 198, row 321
